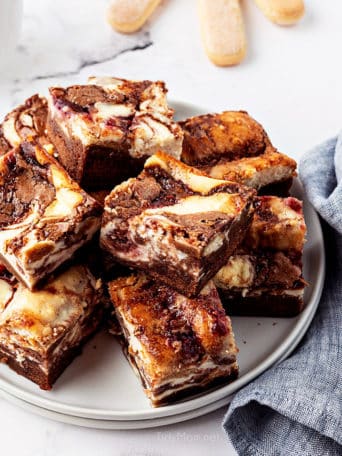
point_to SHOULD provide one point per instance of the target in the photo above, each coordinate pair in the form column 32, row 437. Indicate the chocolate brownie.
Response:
column 42, row 331
column 175, row 223
column 44, row 215
column 263, row 283
column 278, row 223
column 105, row 130
column 235, row 147
column 27, row 121
column 176, row 345
column 265, row 276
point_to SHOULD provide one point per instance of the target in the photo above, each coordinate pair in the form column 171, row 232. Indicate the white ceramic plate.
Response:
column 112, row 424
column 100, row 385
column 131, row 424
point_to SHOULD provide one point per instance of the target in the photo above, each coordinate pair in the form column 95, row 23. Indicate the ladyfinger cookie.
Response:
column 282, row 12
column 128, row 16
column 222, row 31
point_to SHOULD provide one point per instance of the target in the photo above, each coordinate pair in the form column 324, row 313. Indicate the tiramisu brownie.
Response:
column 44, row 215
column 42, row 331
column 278, row 223
column 264, row 276
column 105, row 130
column 235, row 147
column 175, row 223
column 27, row 121
column 176, row 345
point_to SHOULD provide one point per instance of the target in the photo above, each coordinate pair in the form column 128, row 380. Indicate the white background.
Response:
column 290, row 82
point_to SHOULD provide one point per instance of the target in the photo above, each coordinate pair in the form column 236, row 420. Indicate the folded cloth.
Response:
column 295, row 408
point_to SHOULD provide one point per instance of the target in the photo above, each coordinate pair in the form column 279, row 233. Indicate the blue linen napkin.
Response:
column 295, row 408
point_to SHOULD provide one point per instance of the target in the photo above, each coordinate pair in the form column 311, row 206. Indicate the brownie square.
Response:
column 265, row 275
column 262, row 283
column 176, row 345
column 27, row 121
column 42, row 331
column 278, row 223
column 231, row 135
column 175, row 223
column 233, row 146
column 44, row 215
column 105, row 130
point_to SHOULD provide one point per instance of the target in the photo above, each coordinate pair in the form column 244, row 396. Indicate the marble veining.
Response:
column 63, row 37
column 86, row 63
column 289, row 82
column 59, row 40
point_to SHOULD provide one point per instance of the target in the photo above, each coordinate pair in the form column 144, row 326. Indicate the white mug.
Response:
column 11, row 13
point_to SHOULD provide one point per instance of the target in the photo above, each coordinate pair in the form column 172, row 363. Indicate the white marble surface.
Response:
column 290, row 82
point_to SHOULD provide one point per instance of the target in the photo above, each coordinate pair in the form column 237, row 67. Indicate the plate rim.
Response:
column 115, row 424
column 133, row 424
column 198, row 402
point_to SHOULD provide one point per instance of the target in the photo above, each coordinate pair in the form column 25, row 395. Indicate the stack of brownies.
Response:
column 104, row 197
